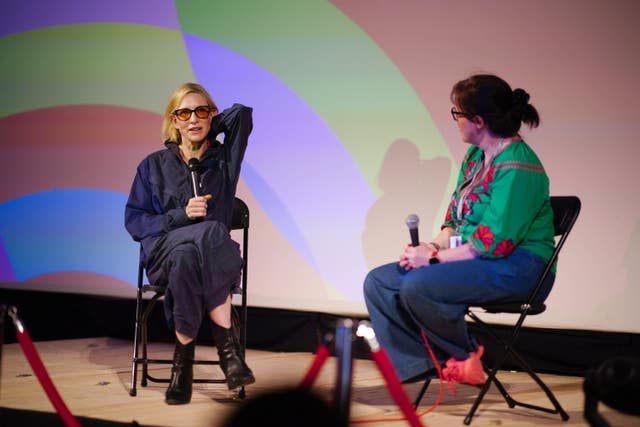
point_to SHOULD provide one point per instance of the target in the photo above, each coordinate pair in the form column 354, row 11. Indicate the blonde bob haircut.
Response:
column 169, row 132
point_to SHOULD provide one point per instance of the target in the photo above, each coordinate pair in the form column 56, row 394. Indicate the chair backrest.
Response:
column 565, row 213
column 240, row 216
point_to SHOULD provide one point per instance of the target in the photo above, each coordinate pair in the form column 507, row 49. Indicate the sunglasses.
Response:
column 202, row 112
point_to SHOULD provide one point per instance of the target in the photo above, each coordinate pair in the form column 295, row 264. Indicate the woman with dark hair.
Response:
column 185, row 238
column 495, row 240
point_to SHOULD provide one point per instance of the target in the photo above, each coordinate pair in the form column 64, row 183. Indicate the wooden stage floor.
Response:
column 93, row 376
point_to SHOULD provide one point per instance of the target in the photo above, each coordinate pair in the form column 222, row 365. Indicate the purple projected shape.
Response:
column 302, row 171
column 18, row 16
column 6, row 272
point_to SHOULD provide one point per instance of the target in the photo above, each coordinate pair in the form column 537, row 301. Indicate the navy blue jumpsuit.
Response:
column 196, row 259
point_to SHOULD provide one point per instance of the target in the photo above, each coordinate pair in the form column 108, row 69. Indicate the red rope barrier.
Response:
column 394, row 386
column 386, row 369
column 365, row 330
column 322, row 352
column 39, row 369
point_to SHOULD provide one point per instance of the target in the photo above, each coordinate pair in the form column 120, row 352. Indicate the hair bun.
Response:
column 520, row 98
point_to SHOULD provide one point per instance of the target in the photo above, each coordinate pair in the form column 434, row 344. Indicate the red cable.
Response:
column 434, row 406
column 322, row 352
column 41, row 372
column 438, row 369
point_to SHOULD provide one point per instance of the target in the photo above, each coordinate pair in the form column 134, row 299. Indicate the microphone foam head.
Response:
column 412, row 221
column 194, row 164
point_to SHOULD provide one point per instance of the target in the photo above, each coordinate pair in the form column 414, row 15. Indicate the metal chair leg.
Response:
column 420, row 395
column 136, row 340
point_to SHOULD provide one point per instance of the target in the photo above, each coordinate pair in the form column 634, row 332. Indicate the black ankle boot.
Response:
column 179, row 390
column 231, row 361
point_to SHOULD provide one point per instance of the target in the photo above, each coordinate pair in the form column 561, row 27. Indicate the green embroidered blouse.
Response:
column 507, row 206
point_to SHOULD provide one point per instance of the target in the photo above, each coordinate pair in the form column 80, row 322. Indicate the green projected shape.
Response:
column 330, row 63
column 114, row 64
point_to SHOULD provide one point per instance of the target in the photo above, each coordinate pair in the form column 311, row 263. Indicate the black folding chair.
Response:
column 240, row 221
column 565, row 212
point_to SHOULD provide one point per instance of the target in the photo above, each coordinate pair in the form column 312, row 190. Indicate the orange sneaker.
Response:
column 468, row 371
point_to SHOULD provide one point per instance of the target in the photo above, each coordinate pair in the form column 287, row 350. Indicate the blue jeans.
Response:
column 434, row 299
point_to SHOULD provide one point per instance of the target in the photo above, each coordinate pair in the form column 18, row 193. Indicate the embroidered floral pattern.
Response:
column 504, row 248
column 485, row 235
column 470, row 166
column 487, row 180
column 481, row 189
column 466, row 207
column 448, row 217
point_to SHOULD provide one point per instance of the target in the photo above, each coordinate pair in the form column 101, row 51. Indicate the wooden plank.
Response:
column 93, row 377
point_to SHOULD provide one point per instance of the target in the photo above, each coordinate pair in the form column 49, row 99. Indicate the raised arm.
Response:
column 236, row 124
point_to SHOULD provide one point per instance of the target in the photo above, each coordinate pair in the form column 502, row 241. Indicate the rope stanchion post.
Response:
column 344, row 334
column 343, row 341
column 40, row 370
column 365, row 330
column 3, row 314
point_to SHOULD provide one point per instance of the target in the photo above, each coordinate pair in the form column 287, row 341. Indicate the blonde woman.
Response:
column 185, row 238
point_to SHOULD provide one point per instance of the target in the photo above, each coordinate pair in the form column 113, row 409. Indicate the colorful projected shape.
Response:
column 327, row 103
column 68, row 230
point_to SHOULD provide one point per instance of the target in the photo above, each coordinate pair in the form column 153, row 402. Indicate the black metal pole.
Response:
column 344, row 331
column 3, row 314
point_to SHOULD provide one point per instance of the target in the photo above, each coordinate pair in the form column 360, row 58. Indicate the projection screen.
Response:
column 352, row 133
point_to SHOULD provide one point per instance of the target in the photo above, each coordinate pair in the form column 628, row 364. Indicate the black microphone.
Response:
column 194, row 167
column 412, row 223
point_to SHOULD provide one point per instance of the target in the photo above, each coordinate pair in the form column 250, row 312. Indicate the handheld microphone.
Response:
column 194, row 167
column 412, row 223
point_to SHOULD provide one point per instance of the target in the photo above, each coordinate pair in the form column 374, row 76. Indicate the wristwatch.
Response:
column 434, row 258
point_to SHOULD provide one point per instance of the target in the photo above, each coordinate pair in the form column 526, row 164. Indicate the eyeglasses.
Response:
column 202, row 112
column 456, row 114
